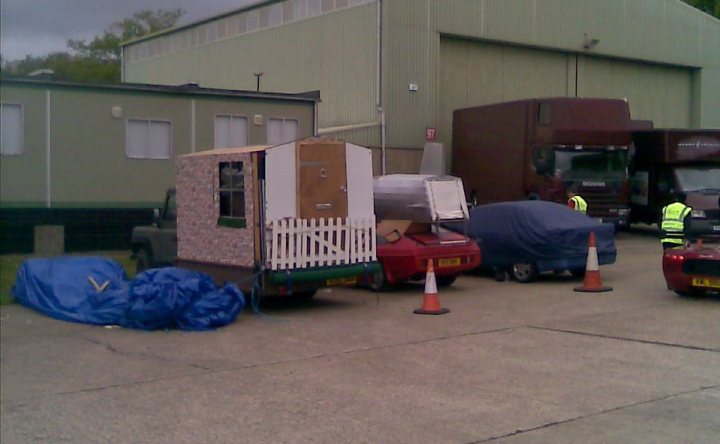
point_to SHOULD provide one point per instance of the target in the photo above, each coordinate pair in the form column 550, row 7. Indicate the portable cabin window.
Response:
column 11, row 127
column 148, row 139
column 232, row 195
column 281, row 130
column 230, row 131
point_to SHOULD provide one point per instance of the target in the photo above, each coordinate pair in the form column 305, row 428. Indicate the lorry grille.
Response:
column 706, row 267
column 601, row 201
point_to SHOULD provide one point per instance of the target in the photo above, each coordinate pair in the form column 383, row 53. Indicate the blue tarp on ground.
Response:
column 549, row 234
column 95, row 290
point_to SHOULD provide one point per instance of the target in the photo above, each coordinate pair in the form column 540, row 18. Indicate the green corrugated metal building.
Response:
column 96, row 159
column 418, row 60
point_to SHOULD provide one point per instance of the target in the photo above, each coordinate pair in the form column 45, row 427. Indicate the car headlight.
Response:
column 699, row 214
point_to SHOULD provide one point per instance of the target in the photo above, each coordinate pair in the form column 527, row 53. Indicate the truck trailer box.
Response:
column 665, row 162
column 541, row 148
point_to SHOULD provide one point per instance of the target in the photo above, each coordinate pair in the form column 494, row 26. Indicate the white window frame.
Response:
column 232, row 117
column 148, row 121
column 22, row 128
column 283, row 120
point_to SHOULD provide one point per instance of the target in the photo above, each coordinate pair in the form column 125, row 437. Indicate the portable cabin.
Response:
column 288, row 218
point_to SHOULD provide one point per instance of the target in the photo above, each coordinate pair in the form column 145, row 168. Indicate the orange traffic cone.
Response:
column 592, row 282
column 431, row 300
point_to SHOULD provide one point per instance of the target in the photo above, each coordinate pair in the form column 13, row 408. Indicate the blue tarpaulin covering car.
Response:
column 95, row 290
column 525, row 238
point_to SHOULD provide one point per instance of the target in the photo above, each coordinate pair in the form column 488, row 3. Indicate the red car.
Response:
column 405, row 257
column 694, row 269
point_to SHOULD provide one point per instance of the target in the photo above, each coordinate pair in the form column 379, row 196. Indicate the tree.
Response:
column 99, row 59
column 106, row 47
column 712, row 7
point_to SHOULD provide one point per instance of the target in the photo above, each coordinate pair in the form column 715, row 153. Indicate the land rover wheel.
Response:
column 143, row 259
column 524, row 272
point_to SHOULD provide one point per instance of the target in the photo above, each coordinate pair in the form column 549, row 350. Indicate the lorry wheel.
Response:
column 379, row 282
column 524, row 272
column 142, row 261
column 446, row 281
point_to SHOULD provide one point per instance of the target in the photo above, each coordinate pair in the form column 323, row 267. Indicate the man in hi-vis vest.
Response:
column 674, row 221
column 576, row 202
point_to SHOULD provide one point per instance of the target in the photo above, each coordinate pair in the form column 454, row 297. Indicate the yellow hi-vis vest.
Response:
column 580, row 204
column 673, row 222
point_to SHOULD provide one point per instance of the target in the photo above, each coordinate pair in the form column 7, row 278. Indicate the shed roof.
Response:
column 229, row 150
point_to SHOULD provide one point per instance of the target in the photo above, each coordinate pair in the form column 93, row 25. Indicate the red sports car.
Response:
column 694, row 269
column 405, row 257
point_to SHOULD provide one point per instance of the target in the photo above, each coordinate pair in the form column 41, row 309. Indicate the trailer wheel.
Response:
column 379, row 282
column 524, row 272
column 305, row 295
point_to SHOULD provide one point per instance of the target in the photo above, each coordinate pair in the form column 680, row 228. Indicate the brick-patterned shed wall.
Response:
column 198, row 208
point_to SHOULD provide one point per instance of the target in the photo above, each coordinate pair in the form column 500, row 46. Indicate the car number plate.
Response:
column 341, row 281
column 449, row 262
column 705, row 282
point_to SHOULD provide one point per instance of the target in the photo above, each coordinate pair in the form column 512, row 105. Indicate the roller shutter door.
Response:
column 662, row 94
column 475, row 73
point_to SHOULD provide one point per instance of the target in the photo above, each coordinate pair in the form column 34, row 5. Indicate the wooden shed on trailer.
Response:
column 289, row 218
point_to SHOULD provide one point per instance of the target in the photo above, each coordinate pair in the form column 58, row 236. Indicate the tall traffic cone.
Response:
column 592, row 282
column 431, row 300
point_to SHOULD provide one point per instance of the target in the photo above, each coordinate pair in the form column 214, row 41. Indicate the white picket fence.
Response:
column 306, row 243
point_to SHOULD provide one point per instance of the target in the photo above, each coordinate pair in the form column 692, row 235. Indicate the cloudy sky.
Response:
column 38, row 27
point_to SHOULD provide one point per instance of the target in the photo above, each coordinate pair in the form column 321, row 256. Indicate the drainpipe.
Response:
column 48, row 158
column 378, row 88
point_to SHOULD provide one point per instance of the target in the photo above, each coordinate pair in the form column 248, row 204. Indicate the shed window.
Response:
column 148, row 139
column 11, row 128
column 281, row 130
column 232, row 195
column 230, row 131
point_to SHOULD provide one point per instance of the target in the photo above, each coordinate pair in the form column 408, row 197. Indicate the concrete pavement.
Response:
column 511, row 363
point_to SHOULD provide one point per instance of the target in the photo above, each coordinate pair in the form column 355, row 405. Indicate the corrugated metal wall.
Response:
column 634, row 37
column 334, row 52
column 476, row 73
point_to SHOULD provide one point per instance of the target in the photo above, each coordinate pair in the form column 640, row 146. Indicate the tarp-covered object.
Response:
column 551, row 235
column 95, row 290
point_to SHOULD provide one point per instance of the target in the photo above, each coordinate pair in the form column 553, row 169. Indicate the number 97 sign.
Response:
column 430, row 134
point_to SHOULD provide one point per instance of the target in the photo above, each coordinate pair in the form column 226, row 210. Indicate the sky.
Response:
column 39, row 27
